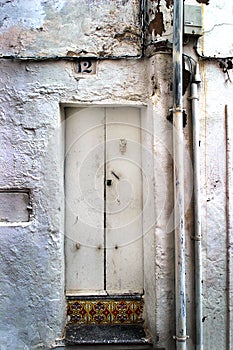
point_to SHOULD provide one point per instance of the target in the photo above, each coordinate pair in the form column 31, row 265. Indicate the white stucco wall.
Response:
column 32, row 95
column 216, row 236
column 32, row 267
column 215, row 94
column 217, row 27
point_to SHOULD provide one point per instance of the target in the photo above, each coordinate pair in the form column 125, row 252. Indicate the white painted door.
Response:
column 103, row 186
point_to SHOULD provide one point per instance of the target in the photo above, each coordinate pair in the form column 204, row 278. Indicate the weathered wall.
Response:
column 32, row 283
column 215, row 100
column 217, row 26
column 216, row 236
column 159, row 23
column 67, row 28
column 215, row 94
column 32, row 258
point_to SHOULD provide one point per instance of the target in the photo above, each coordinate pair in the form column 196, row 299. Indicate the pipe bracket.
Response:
column 178, row 109
column 190, row 98
column 196, row 238
column 181, row 339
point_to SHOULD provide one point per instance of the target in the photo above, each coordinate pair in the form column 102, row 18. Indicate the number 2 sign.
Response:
column 85, row 67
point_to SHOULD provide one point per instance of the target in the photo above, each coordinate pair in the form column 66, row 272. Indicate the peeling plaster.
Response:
column 159, row 18
column 169, row 3
column 156, row 26
column 47, row 28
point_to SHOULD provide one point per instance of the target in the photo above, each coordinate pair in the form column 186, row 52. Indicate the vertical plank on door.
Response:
column 124, row 250
column 84, row 201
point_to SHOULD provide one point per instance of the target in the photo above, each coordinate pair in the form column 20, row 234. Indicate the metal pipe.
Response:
column 178, row 158
column 229, row 220
column 143, row 24
column 197, row 209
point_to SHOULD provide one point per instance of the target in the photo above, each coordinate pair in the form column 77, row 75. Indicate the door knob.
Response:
column 109, row 182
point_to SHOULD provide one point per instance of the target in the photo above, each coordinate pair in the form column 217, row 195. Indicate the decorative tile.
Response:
column 104, row 311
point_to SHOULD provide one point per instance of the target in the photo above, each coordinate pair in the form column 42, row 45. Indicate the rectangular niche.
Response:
column 15, row 206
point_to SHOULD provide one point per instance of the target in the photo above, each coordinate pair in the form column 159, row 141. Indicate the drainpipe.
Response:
column 178, row 158
column 229, row 221
column 197, row 209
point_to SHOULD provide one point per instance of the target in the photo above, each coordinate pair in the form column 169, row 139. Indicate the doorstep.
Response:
column 112, row 322
column 105, row 334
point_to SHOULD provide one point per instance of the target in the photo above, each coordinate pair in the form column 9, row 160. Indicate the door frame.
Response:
column 148, row 185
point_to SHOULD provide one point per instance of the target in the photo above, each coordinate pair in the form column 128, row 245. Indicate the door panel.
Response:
column 124, row 255
column 103, row 184
column 84, row 188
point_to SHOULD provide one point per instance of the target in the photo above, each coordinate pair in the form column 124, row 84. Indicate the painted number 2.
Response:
column 85, row 67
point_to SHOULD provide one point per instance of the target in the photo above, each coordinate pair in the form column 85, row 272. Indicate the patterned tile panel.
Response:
column 104, row 311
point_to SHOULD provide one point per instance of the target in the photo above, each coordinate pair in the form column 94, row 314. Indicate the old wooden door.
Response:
column 103, row 189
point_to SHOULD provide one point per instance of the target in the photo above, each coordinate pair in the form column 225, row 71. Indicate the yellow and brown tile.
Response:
column 104, row 311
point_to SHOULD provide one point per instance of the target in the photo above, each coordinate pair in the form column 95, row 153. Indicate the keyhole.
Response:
column 109, row 182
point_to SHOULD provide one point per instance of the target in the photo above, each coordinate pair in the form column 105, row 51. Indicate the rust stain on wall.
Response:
column 156, row 26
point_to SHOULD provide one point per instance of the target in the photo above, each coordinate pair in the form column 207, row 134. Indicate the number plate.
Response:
column 85, row 67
